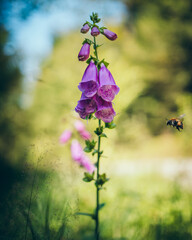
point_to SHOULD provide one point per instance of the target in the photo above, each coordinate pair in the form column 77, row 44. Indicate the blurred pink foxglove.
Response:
column 88, row 165
column 79, row 156
column 107, row 86
column 76, row 151
column 84, row 52
column 80, row 127
column 85, row 135
column 66, row 135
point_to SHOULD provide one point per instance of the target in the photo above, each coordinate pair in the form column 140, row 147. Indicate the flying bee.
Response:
column 176, row 122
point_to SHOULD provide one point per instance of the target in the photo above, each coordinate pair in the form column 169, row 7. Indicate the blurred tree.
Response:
column 163, row 36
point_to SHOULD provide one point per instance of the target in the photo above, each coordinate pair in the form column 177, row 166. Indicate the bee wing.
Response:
column 181, row 117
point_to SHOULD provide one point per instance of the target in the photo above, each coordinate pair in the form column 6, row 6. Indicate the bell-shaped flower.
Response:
column 105, row 110
column 84, row 52
column 66, row 135
column 107, row 86
column 85, row 28
column 95, row 31
column 89, row 83
column 109, row 34
column 85, row 106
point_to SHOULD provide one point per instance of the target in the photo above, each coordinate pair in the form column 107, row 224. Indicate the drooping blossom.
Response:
column 84, row 52
column 79, row 156
column 109, row 34
column 105, row 110
column 89, row 83
column 66, row 135
column 85, row 28
column 95, row 31
column 107, row 86
column 85, row 106
column 80, row 127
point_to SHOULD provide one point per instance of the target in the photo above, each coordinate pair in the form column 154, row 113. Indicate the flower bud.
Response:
column 109, row 34
column 95, row 31
column 85, row 28
column 84, row 52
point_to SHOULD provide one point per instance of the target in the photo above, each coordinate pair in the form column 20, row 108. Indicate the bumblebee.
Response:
column 176, row 122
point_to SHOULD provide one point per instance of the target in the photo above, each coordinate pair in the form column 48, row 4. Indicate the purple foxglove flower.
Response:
column 89, row 83
column 76, row 151
column 66, row 135
column 95, row 31
column 85, row 28
column 107, row 86
column 87, row 164
column 85, row 106
column 105, row 111
column 84, row 52
column 109, row 34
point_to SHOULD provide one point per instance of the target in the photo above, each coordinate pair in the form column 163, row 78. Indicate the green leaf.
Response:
column 103, row 135
column 86, row 214
column 110, row 125
column 87, row 150
column 89, row 24
column 94, row 152
column 90, row 145
column 101, row 180
column 99, row 131
column 101, row 205
column 88, row 177
column 88, row 41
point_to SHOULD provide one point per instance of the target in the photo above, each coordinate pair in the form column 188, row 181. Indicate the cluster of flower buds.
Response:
column 97, row 85
column 77, row 152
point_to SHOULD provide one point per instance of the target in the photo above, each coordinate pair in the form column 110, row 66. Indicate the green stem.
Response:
column 98, row 160
column 97, row 189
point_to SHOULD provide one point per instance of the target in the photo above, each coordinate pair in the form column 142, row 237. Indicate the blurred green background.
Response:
column 149, row 164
